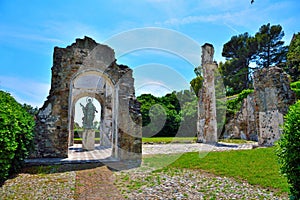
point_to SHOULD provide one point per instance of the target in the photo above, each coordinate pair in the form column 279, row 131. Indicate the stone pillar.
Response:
column 207, row 117
column 88, row 140
column 273, row 96
column 129, row 123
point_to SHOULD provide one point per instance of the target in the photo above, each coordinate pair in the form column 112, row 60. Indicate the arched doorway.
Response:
column 78, row 125
column 91, row 85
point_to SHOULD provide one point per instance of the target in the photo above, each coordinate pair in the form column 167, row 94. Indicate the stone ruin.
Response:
column 261, row 114
column 207, row 115
column 88, row 69
column 273, row 96
column 243, row 124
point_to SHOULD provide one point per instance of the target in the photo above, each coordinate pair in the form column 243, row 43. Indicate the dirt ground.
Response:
column 95, row 184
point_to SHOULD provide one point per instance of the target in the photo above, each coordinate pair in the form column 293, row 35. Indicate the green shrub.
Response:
column 295, row 86
column 16, row 134
column 234, row 105
column 288, row 150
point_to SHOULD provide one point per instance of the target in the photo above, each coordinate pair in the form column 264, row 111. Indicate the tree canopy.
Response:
column 271, row 50
column 264, row 49
column 174, row 114
column 293, row 58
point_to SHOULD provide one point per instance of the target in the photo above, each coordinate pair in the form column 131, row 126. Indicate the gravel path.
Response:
column 45, row 186
column 73, row 182
column 172, row 148
column 187, row 184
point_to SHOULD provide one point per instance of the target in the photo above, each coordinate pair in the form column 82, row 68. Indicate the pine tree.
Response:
column 271, row 49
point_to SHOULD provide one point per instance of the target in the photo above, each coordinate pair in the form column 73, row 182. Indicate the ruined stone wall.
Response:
column 51, row 130
column 243, row 124
column 262, row 113
column 129, row 138
column 54, row 118
column 273, row 97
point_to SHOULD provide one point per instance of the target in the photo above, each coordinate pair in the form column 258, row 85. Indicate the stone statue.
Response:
column 89, row 114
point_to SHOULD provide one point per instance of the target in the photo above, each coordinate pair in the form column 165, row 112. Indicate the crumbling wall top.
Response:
column 207, row 53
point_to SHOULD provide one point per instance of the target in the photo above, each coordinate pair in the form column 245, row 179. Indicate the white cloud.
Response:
column 156, row 38
column 67, row 30
column 48, row 32
column 25, row 90
column 231, row 13
column 237, row 18
column 224, row 4
column 23, row 33
column 148, row 80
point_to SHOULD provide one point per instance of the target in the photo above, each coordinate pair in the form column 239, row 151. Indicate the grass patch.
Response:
column 257, row 167
column 156, row 162
column 169, row 140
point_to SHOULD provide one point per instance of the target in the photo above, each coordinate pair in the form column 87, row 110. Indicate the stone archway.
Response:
column 54, row 120
column 94, row 84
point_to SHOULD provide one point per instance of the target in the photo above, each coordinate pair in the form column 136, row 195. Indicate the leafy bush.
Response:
column 197, row 84
column 174, row 114
column 289, row 148
column 234, row 105
column 16, row 134
column 295, row 86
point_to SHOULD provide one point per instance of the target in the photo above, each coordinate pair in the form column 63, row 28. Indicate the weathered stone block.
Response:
column 270, row 123
column 243, row 124
column 273, row 97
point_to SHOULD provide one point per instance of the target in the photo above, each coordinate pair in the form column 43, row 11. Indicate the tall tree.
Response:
column 196, row 83
column 234, row 80
column 293, row 58
column 271, row 49
column 238, row 51
column 266, row 49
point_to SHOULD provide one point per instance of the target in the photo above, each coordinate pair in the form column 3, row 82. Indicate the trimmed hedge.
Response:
column 16, row 135
column 288, row 150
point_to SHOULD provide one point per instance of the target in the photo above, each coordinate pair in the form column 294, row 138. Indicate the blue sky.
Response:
column 29, row 30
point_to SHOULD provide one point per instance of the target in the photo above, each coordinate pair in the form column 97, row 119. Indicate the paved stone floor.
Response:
column 77, row 155
column 100, row 153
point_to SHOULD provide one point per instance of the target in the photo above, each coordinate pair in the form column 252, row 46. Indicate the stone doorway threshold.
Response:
column 76, row 155
column 100, row 153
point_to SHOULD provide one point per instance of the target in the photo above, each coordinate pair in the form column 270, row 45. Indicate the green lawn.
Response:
column 258, row 166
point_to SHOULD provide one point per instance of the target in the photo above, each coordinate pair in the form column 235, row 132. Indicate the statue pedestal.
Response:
column 88, row 140
column 104, row 140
